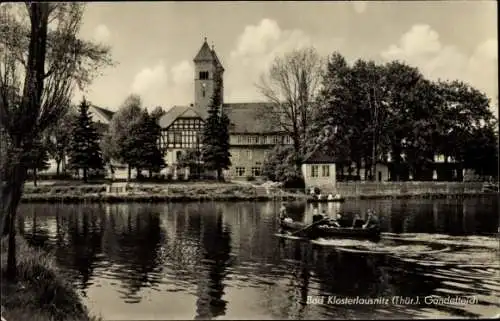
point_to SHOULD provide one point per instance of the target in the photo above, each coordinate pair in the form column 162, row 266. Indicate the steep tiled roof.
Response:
column 319, row 156
column 246, row 118
column 250, row 118
column 175, row 112
column 205, row 53
column 217, row 61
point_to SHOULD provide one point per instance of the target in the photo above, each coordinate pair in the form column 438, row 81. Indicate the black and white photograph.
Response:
column 249, row 160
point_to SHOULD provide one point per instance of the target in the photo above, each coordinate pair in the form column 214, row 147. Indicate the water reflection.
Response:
column 216, row 240
column 213, row 260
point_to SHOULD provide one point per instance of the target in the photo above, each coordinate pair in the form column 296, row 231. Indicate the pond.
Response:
column 436, row 258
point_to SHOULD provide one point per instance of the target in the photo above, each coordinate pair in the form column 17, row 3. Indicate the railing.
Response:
column 350, row 189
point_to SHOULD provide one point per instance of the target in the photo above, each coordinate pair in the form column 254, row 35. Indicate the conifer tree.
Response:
column 84, row 151
column 148, row 132
column 215, row 139
column 225, row 155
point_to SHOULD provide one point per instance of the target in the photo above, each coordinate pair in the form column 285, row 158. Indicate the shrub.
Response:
column 296, row 182
column 250, row 178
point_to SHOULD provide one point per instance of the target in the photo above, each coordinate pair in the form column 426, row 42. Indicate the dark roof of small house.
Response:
column 245, row 118
column 319, row 156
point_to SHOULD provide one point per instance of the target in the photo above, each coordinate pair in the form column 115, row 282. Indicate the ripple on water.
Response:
column 466, row 241
column 382, row 247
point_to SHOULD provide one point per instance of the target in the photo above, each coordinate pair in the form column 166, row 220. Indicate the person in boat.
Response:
column 283, row 213
column 357, row 222
column 371, row 220
column 330, row 197
column 332, row 221
column 316, row 216
column 342, row 220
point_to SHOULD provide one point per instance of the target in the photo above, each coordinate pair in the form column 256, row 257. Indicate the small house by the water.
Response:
column 318, row 169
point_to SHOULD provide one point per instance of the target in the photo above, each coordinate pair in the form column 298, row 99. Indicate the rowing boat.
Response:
column 325, row 230
column 325, row 200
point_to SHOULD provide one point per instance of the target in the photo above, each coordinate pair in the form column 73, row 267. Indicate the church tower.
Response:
column 207, row 68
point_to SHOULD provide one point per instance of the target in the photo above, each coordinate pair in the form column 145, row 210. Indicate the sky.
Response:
column 154, row 43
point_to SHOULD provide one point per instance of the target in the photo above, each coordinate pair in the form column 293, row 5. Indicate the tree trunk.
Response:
column 129, row 173
column 219, row 175
column 85, row 174
column 30, row 104
column 34, row 177
column 150, row 173
column 10, row 200
column 58, row 163
column 297, row 148
column 64, row 169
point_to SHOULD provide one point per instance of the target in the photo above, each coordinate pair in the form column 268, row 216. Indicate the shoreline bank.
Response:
column 41, row 292
column 152, row 198
column 68, row 192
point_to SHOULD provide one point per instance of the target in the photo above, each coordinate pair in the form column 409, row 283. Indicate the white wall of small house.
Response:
column 315, row 176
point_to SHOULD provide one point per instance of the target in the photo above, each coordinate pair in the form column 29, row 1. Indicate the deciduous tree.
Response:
column 291, row 86
column 118, row 143
column 41, row 61
column 58, row 138
column 191, row 159
column 280, row 166
column 37, row 159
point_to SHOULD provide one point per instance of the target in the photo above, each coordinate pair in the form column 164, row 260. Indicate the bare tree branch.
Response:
column 291, row 85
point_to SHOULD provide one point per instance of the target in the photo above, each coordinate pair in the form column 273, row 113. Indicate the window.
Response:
column 255, row 171
column 177, row 137
column 178, row 155
column 203, row 92
column 235, row 155
column 240, row 171
column 253, row 139
column 203, row 75
column 326, row 170
column 249, row 154
column 314, row 171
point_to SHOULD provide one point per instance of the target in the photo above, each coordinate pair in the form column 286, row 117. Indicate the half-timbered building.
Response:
column 252, row 134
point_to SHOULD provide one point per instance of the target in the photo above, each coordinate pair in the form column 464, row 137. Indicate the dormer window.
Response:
column 203, row 75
